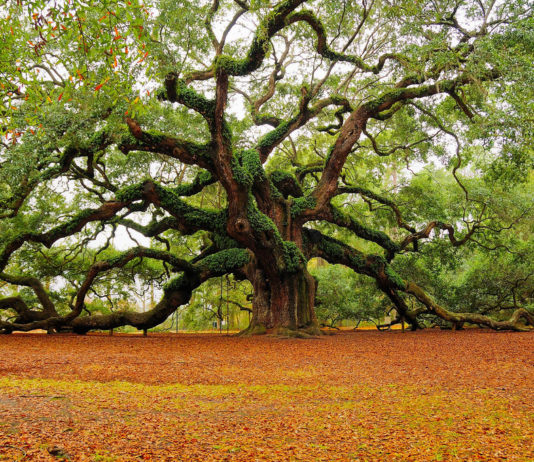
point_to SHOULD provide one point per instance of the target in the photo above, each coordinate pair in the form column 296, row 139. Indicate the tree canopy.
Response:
column 392, row 137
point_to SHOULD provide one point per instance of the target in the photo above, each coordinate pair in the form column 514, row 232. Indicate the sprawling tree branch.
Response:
column 513, row 323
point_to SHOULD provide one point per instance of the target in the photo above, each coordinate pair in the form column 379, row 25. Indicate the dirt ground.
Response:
column 390, row 396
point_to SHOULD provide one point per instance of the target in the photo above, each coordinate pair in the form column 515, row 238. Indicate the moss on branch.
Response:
column 274, row 136
column 202, row 180
column 301, row 204
column 286, row 183
column 382, row 239
column 210, row 220
column 132, row 192
column 273, row 22
column 251, row 162
column 225, row 261
column 294, row 259
column 190, row 98
column 336, row 251
column 213, row 265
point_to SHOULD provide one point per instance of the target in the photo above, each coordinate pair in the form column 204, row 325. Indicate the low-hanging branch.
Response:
column 177, row 292
column 513, row 323
column 391, row 284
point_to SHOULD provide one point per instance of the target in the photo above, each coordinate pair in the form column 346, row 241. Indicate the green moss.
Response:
column 204, row 219
column 251, row 162
column 362, row 231
column 275, row 193
column 377, row 262
column 125, row 138
column 358, row 262
column 241, row 175
column 177, row 284
column 71, row 226
column 300, row 204
column 231, row 65
column 97, row 140
column 286, row 183
column 115, row 261
column 258, row 220
column 272, row 23
column 274, row 136
column 279, row 176
column 294, row 260
column 222, row 241
column 369, row 234
column 203, row 151
column 204, row 178
column 247, row 167
column 332, row 248
column 394, row 278
column 190, row 98
column 225, row 261
column 376, row 103
column 131, row 193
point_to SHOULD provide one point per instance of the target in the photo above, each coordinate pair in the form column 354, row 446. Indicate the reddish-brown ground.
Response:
column 432, row 395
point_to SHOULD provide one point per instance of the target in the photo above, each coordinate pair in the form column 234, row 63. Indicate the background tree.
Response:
column 248, row 138
column 342, row 295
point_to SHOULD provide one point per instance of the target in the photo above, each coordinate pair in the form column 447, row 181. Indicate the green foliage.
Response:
column 342, row 295
column 364, row 232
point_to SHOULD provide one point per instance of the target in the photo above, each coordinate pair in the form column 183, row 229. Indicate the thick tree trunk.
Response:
column 283, row 306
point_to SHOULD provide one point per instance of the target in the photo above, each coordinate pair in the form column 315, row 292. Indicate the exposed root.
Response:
column 256, row 329
column 311, row 331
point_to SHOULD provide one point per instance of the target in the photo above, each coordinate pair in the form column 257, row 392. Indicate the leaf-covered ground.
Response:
column 432, row 395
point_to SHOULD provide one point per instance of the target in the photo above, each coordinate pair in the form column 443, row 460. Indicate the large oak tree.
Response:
column 118, row 115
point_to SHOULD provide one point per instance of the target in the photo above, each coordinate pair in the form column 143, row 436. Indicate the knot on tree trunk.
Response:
column 241, row 225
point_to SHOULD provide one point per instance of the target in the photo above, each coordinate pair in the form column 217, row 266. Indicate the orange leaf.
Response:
column 143, row 58
column 98, row 87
